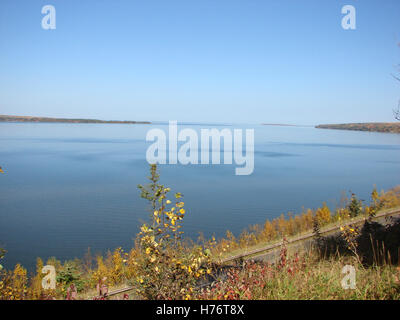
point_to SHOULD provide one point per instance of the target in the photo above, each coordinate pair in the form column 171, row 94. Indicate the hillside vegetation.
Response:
column 392, row 127
column 6, row 118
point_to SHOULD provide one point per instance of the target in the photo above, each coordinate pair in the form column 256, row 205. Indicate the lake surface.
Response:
column 68, row 187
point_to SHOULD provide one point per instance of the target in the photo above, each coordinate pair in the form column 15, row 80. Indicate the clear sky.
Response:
column 252, row 61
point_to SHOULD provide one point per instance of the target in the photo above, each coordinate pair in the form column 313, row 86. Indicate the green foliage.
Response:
column 70, row 274
column 355, row 206
column 154, row 191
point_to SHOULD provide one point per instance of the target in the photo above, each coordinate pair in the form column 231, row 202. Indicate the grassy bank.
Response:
column 303, row 237
column 293, row 226
column 306, row 277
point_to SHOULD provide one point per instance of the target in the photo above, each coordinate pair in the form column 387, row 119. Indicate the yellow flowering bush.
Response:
column 112, row 270
column 36, row 290
column 349, row 234
column 13, row 284
column 166, row 269
column 323, row 214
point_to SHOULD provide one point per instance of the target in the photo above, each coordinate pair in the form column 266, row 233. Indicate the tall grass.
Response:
column 305, row 277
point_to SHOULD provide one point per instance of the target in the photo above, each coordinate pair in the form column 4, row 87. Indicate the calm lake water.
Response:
column 68, row 187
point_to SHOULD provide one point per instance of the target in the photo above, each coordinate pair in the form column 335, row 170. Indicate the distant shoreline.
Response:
column 284, row 125
column 388, row 127
column 8, row 118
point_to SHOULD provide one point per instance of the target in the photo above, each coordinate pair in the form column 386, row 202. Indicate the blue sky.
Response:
column 241, row 61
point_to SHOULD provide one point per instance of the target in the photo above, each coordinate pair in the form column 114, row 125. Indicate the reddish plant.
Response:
column 71, row 292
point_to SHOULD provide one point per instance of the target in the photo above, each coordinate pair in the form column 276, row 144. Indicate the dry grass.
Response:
column 306, row 278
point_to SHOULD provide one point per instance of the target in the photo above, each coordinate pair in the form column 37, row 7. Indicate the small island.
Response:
column 390, row 127
column 7, row 118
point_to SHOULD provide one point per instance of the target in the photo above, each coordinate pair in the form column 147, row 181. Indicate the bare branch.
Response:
column 397, row 78
column 397, row 112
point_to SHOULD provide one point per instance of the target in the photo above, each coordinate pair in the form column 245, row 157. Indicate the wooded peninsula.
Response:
column 7, row 118
column 391, row 127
